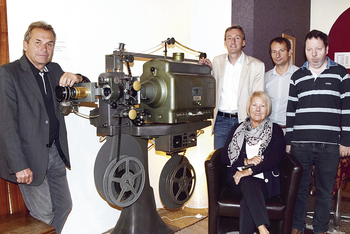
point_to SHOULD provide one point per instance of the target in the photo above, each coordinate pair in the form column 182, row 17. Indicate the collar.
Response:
column 240, row 59
column 34, row 69
column 330, row 63
column 289, row 71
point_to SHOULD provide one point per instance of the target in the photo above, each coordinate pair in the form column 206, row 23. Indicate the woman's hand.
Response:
column 255, row 160
column 240, row 174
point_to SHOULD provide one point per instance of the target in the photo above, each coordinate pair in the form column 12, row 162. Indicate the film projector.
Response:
column 170, row 102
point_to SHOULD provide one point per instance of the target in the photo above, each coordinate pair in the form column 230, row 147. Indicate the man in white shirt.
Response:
column 237, row 77
column 277, row 79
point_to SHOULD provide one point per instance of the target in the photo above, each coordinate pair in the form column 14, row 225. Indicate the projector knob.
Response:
column 136, row 85
column 132, row 114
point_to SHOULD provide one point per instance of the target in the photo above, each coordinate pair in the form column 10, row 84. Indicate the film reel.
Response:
column 177, row 182
column 124, row 181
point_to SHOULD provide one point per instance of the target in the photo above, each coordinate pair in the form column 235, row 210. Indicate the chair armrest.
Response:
column 290, row 173
column 213, row 170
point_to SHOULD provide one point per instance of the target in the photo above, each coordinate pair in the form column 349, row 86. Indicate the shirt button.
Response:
column 266, row 180
column 46, row 122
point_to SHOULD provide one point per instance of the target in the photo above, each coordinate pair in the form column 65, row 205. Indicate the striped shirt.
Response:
column 318, row 109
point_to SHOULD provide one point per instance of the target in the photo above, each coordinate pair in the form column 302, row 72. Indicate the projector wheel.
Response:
column 124, row 181
column 177, row 182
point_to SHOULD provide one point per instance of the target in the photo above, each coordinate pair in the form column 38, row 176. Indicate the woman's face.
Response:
column 257, row 111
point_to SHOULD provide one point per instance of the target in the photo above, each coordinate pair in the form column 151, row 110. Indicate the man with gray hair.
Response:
column 33, row 136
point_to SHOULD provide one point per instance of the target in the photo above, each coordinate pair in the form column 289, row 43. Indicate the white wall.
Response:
column 88, row 30
column 324, row 13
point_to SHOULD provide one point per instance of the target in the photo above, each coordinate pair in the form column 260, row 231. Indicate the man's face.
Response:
column 316, row 52
column 280, row 54
column 39, row 49
column 234, row 41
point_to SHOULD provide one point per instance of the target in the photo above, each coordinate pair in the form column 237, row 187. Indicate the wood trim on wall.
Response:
column 17, row 204
column 4, row 45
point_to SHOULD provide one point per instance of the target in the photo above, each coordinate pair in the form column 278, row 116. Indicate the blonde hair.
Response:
column 265, row 97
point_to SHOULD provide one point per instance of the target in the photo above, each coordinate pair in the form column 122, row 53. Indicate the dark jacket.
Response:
column 273, row 155
column 24, row 128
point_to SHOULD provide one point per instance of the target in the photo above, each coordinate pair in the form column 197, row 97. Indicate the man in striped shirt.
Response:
column 318, row 127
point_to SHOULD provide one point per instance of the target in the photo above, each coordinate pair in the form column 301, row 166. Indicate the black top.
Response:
column 318, row 109
column 273, row 155
column 48, row 100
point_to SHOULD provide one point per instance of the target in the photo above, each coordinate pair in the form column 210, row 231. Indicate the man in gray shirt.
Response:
column 277, row 79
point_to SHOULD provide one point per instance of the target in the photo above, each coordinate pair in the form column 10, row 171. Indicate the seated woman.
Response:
column 253, row 151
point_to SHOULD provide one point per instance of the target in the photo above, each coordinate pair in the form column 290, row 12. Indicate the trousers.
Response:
column 253, row 212
column 222, row 128
column 325, row 158
column 51, row 201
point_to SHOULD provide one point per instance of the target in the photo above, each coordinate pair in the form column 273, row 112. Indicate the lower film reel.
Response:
column 177, row 182
column 124, row 181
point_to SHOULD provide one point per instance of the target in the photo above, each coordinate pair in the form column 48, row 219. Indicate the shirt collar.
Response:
column 289, row 71
column 34, row 69
column 330, row 63
column 240, row 59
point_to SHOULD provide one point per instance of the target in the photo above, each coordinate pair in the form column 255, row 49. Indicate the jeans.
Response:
column 222, row 128
column 50, row 202
column 325, row 157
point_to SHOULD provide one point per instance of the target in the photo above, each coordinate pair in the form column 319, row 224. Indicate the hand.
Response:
column 255, row 160
column 344, row 151
column 240, row 174
column 206, row 61
column 25, row 176
column 288, row 148
column 69, row 79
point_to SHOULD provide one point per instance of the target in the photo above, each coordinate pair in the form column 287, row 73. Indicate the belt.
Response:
column 283, row 126
column 228, row 115
column 50, row 144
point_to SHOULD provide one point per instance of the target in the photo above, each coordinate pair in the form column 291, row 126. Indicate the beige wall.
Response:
column 325, row 12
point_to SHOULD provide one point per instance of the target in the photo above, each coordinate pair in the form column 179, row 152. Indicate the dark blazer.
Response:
column 24, row 122
column 273, row 155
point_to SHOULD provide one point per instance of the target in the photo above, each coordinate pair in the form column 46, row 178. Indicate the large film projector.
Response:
column 168, row 104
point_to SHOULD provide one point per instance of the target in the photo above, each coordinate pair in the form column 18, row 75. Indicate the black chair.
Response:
column 224, row 205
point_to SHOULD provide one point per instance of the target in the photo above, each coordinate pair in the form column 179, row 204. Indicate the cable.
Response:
column 171, row 41
column 84, row 115
column 198, row 216
column 201, row 54
column 161, row 44
column 187, row 47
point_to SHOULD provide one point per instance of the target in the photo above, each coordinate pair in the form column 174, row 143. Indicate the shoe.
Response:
column 295, row 231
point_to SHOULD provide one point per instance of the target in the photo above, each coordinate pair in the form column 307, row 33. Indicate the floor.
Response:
column 193, row 221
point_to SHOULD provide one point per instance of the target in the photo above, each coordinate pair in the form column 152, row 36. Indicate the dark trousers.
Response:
column 325, row 157
column 253, row 212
